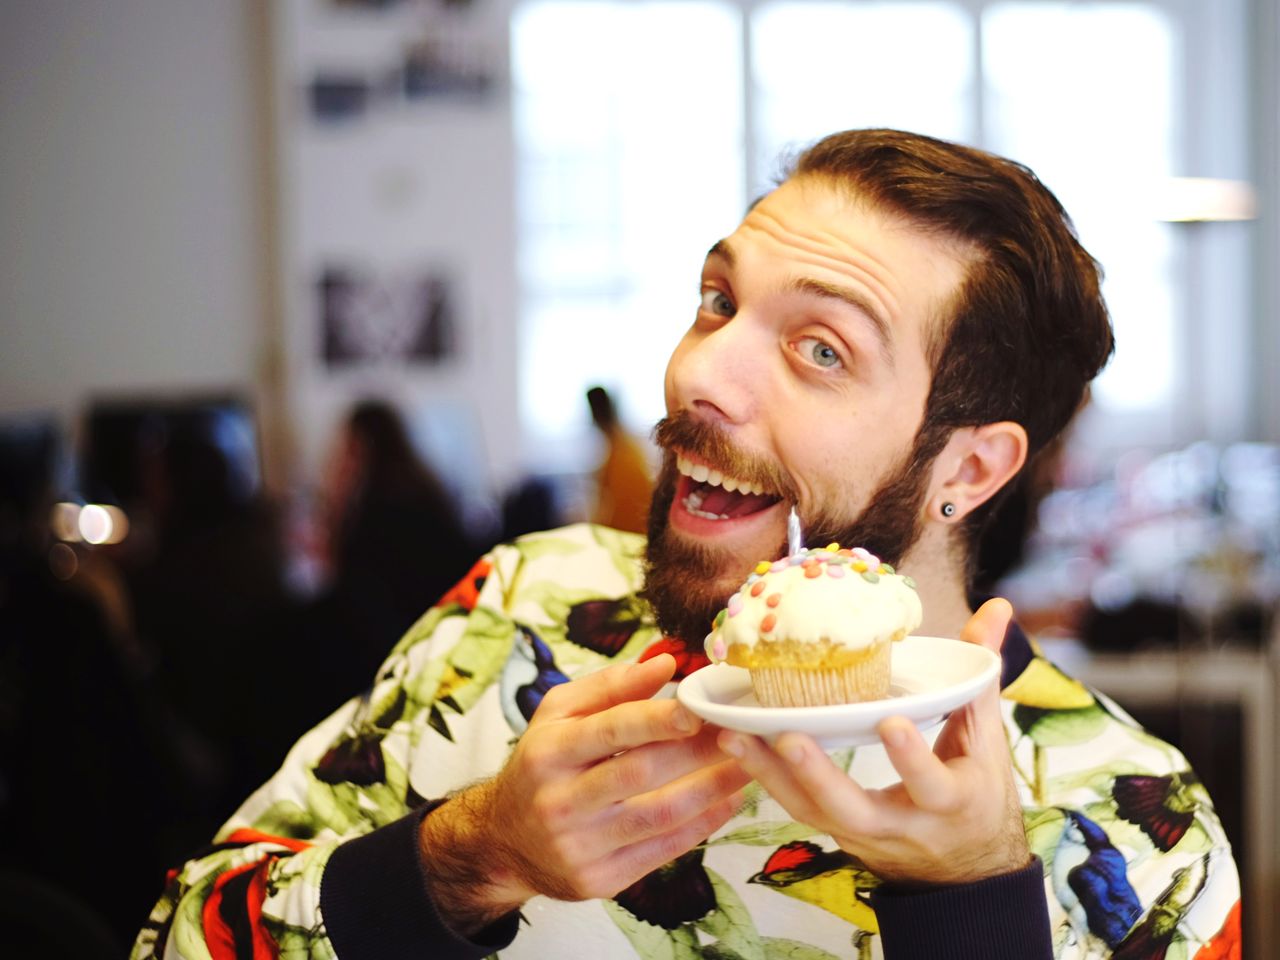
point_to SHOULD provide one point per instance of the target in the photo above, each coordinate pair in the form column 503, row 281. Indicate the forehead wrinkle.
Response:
column 880, row 305
column 870, row 271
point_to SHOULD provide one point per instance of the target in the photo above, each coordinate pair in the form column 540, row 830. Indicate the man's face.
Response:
column 802, row 381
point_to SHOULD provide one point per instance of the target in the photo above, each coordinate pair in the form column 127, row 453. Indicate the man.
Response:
column 881, row 343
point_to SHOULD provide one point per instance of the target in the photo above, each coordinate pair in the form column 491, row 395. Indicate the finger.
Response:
column 623, row 727
column 987, row 627
column 671, row 807
column 842, row 806
column 778, row 776
column 620, row 683
column 648, row 767
column 630, row 863
column 929, row 782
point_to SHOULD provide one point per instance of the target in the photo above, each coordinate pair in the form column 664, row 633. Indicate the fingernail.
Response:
column 792, row 752
column 732, row 745
column 685, row 721
column 893, row 735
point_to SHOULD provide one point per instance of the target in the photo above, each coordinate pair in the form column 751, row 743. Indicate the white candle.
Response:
column 794, row 542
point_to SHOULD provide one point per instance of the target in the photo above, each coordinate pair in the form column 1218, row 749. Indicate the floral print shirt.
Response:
column 322, row 860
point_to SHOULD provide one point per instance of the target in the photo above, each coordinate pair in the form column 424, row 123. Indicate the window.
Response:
column 629, row 129
column 1039, row 97
column 644, row 130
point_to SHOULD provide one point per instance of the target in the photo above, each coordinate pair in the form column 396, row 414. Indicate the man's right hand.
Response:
column 605, row 786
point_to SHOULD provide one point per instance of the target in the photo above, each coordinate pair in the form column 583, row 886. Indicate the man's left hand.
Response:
column 955, row 817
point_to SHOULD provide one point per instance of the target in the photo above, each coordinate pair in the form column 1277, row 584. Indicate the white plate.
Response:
column 931, row 676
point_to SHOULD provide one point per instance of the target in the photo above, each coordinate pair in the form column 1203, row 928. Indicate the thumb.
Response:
column 616, row 684
column 979, row 721
column 987, row 627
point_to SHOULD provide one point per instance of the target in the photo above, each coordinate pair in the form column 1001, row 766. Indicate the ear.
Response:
column 974, row 465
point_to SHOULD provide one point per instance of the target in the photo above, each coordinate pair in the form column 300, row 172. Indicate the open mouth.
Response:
column 712, row 495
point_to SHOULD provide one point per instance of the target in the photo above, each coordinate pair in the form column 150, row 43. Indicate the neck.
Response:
column 938, row 570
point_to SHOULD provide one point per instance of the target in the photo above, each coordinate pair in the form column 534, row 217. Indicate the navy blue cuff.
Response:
column 1000, row 917
column 375, row 904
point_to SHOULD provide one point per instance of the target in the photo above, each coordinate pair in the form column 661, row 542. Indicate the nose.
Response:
column 721, row 374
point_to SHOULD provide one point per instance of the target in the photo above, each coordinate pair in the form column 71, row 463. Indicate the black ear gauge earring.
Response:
column 948, row 509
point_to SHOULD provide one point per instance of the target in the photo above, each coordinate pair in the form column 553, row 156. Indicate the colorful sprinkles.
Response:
column 833, row 560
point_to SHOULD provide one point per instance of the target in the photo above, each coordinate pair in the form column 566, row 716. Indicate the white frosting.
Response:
column 845, row 607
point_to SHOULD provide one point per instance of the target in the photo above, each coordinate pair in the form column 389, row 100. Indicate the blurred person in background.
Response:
column 213, row 613
column 623, row 484
column 394, row 537
column 73, row 711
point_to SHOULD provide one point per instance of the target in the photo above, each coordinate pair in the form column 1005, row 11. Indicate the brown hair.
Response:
column 1028, row 328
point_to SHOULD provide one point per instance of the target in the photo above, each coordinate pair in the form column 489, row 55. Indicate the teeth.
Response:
column 701, row 473
column 691, row 505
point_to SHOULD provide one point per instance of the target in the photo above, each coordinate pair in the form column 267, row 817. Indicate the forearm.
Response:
column 470, row 879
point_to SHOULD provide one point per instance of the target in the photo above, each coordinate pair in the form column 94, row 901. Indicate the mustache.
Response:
column 709, row 442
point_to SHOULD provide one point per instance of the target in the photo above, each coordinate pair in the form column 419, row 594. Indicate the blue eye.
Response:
column 716, row 302
column 817, row 352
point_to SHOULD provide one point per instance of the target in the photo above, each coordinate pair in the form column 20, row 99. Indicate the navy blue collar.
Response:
column 1016, row 654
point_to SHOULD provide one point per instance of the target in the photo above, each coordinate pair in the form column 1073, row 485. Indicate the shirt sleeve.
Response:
column 323, row 859
column 375, row 904
column 1000, row 917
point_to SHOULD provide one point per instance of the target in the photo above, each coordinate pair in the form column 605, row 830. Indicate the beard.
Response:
column 683, row 581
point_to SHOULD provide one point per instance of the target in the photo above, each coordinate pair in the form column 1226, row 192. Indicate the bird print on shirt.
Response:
column 1163, row 807
column 831, row 879
column 529, row 673
column 1091, row 881
column 1152, row 938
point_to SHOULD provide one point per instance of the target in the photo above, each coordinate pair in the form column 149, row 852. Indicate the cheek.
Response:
column 836, row 460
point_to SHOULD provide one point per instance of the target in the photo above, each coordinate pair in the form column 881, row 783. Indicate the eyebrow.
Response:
column 833, row 291
column 722, row 250
column 827, row 291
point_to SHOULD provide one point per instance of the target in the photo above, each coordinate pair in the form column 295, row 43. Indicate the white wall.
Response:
column 155, row 237
column 403, row 188
column 128, row 247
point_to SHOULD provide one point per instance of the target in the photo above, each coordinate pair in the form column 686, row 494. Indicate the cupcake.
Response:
column 815, row 628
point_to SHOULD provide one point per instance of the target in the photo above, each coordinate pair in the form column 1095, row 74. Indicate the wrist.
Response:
column 948, row 867
column 468, row 879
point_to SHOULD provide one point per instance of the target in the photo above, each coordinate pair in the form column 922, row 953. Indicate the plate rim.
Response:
column 918, row 706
